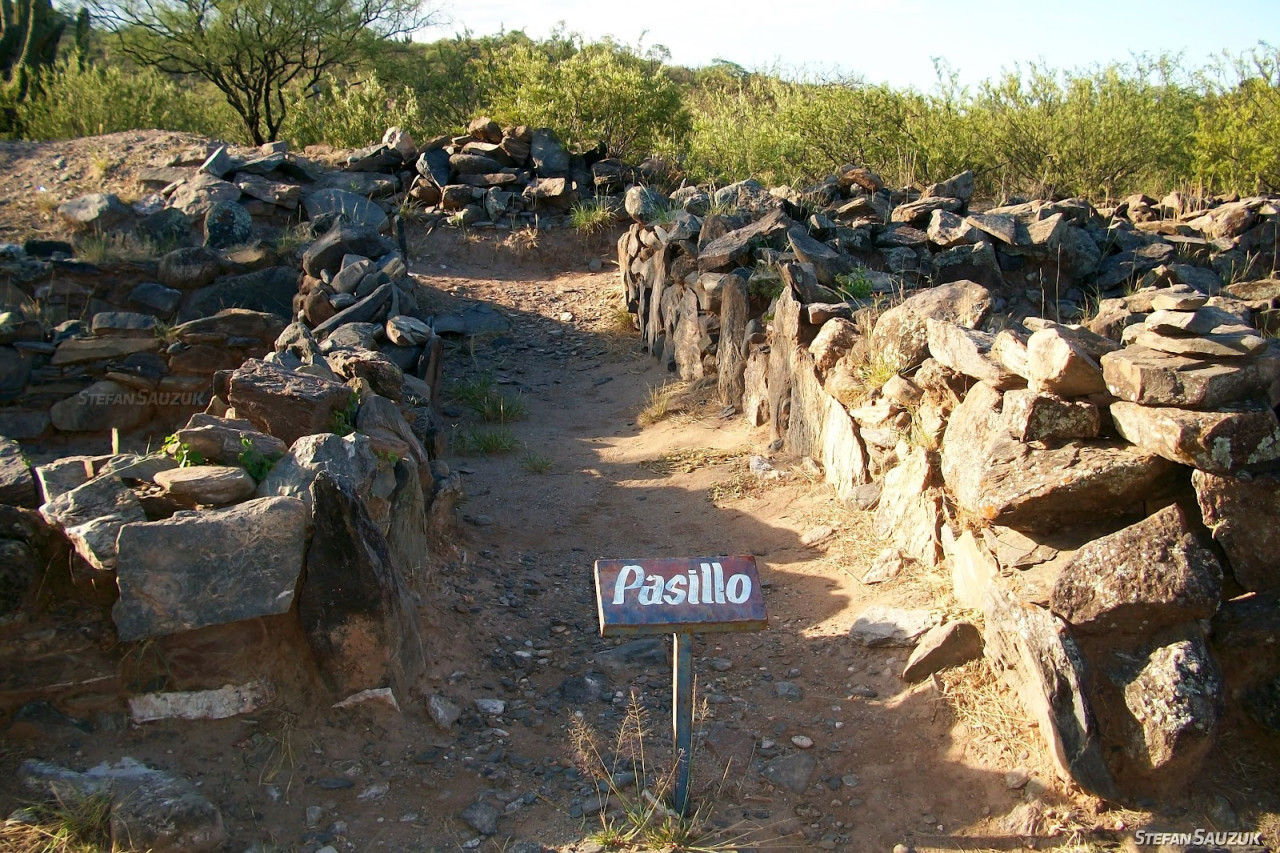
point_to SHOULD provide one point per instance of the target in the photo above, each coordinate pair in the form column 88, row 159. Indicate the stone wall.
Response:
column 1073, row 410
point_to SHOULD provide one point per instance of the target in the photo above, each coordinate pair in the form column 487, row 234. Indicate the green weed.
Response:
column 855, row 284
column 254, row 461
column 70, row 824
column 536, row 463
column 591, row 217
column 181, row 452
column 484, row 442
column 482, row 396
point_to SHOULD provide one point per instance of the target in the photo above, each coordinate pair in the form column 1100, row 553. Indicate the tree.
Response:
column 257, row 51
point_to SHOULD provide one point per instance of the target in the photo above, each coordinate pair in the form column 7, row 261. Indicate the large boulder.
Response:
column 285, row 404
column 968, row 351
column 1243, row 514
column 349, row 459
column 356, row 209
column 731, row 354
column 734, row 248
column 1220, row 442
column 1057, row 365
column 210, row 567
column 269, row 291
column 901, row 335
column 206, row 485
column 356, row 611
column 223, row 440
column 1148, row 576
column 1024, row 486
column 327, row 252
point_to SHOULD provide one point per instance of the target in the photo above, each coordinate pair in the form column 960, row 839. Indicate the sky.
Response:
column 891, row 41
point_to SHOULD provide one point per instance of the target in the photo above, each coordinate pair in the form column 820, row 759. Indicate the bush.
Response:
column 352, row 114
column 1237, row 139
column 70, row 101
column 590, row 94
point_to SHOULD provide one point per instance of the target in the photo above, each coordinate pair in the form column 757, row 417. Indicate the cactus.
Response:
column 29, row 35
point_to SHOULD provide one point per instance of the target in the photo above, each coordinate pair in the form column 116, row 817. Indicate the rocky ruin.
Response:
column 1071, row 408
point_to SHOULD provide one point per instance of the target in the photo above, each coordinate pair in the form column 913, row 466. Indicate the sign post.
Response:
column 678, row 596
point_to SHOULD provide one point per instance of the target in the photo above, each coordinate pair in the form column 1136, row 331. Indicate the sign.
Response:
column 670, row 596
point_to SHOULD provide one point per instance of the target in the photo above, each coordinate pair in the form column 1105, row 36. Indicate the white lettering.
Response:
column 708, row 591
column 675, row 590
column 623, row 583
column 739, row 589
column 719, row 573
column 652, row 592
column 693, row 587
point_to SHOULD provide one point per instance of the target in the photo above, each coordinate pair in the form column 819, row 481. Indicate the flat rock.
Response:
column 1152, row 378
column 792, row 772
column 952, row 644
column 209, row 568
column 1203, row 346
column 209, row 485
column 725, row 251
column 1148, row 576
column 879, row 626
column 91, row 516
column 1243, row 514
column 481, row 817
column 1219, row 442
column 150, row 809
column 100, row 211
column 1029, row 487
column 269, row 291
column 222, row 440
column 284, row 404
column 357, row 209
column 80, row 350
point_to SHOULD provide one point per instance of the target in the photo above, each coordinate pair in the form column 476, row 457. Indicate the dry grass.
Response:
column 522, row 239
column 995, row 721
column 688, row 461
column 675, row 398
column 71, row 824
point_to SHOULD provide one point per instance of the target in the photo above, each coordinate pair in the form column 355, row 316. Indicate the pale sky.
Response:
column 891, row 41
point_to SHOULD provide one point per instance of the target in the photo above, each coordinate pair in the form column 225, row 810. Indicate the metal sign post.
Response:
column 679, row 596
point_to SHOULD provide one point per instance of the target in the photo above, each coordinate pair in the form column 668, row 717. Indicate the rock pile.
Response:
column 1074, row 409
column 302, row 480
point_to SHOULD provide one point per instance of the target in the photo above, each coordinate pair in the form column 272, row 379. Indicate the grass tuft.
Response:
column 536, row 463
column 591, row 217
column 482, row 396
column 70, row 824
column 484, row 442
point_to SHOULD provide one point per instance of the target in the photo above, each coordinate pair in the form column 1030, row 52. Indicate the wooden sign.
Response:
column 670, row 596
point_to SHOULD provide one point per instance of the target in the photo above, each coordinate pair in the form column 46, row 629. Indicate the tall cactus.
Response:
column 29, row 35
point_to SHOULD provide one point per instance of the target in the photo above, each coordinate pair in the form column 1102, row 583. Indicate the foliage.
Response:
column 254, row 461
column 29, row 34
column 482, row 396
column 181, row 452
column 590, row 93
column 343, row 422
column 855, row 284
column 72, row 101
column 591, row 217
column 351, row 114
column 484, row 442
column 256, row 51
column 1237, row 138
column 536, row 463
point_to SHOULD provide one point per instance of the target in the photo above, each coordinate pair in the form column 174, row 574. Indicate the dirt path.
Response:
column 513, row 619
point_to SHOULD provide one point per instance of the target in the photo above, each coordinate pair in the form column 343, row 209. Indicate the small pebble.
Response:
column 802, row 741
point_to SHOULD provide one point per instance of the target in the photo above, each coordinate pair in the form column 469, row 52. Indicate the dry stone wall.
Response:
column 1072, row 409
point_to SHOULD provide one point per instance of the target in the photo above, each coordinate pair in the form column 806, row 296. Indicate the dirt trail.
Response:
column 512, row 616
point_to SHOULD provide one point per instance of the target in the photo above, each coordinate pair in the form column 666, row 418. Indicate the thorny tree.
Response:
column 257, row 52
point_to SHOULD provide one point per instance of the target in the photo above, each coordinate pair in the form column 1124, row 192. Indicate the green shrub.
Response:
column 352, row 114
column 590, row 93
column 1237, row 138
column 69, row 101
